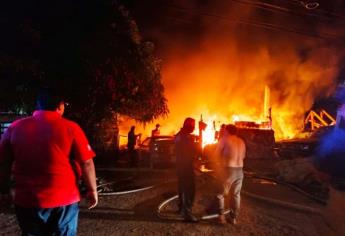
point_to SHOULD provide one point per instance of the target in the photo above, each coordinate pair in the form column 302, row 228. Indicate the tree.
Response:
column 91, row 50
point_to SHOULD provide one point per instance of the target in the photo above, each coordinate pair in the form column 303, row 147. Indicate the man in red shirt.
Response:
column 46, row 155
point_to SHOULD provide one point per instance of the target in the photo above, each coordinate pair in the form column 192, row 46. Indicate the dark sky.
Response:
column 165, row 21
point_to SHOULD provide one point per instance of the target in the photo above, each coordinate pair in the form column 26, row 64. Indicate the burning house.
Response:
column 221, row 57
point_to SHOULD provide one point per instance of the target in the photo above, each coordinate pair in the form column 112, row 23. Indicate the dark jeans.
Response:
column 186, row 190
column 232, row 184
column 58, row 221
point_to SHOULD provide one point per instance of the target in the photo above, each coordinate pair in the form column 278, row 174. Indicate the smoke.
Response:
column 218, row 56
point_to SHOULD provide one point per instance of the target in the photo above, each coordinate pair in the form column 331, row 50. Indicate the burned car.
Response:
column 301, row 147
column 157, row 150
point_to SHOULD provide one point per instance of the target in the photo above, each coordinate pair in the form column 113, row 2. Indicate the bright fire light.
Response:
column 229, row 74
column 235, row 118
column 208, row 135
column 213, row 126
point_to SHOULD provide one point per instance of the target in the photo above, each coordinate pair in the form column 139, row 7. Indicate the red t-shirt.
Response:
column 41, row 147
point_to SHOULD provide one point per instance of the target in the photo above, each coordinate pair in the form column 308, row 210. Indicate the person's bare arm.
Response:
column 89, row 176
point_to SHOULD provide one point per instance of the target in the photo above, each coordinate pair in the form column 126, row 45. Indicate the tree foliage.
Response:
column 91, row 50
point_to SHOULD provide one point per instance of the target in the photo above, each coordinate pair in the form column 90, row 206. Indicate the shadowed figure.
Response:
column 156, row 132
column 186, row 152
column 131, row 143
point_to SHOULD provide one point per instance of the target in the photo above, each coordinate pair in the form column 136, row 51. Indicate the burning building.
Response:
column 219, row 56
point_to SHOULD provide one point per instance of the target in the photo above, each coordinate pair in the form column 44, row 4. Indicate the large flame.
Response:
column 221, row 74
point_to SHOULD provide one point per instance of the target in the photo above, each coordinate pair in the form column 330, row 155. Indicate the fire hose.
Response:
column 136, row 190
column 293, row 187
column 127, row 191
column 147, row 188
column 211, row 216
column 245, row 193
column 165, row 202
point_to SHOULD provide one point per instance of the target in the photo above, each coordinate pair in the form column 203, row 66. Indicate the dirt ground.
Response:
column 267, row 208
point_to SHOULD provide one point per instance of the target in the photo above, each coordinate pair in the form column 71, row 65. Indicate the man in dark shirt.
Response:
column 186, row 151
column 132, row 141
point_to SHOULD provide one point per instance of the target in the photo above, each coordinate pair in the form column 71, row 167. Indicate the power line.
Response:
column 257, row 24
column 318, row 9
column 280, row 9
column 307, row 5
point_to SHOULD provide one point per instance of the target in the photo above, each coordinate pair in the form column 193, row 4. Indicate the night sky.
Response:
column 165, row 21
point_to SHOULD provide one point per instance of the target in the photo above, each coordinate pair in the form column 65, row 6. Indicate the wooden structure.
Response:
column 316, row 120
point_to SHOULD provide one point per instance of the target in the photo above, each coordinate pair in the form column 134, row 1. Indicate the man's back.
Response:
column 185, row 149
column 43, row 170
column 46, row 154
column 232, row 151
